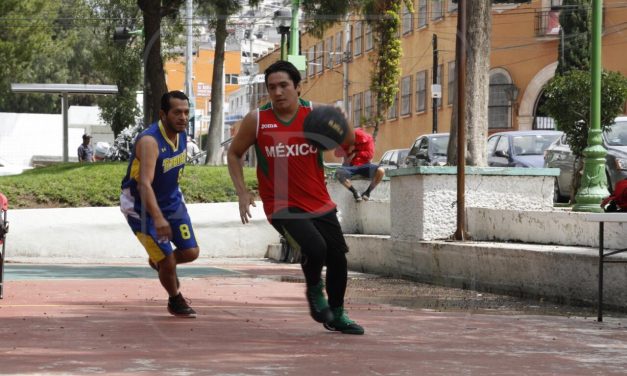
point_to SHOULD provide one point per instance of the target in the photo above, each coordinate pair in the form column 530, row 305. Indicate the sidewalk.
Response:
column 253, row 320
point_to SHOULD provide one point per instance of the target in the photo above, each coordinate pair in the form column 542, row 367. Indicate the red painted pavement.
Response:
column 255, row 325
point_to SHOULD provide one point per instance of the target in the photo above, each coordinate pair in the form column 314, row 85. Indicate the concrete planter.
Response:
column 423, row 199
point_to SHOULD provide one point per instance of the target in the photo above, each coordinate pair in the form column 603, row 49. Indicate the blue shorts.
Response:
column 182, row 234
column 366, row 170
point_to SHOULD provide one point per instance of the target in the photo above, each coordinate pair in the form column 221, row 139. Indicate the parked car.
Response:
column 559, row 155
column 428, row 150
column 7, row 168
column 394, row 158
column 519, row 148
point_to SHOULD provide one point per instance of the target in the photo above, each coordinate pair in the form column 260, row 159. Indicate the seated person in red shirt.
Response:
column 357, row 159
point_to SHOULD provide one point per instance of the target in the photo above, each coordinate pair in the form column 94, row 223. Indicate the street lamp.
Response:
column 282, row 20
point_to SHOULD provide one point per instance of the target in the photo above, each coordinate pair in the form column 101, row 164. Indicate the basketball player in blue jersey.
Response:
column 152, row 201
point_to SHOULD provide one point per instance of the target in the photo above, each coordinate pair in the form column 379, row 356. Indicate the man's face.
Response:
column 282, row 92
column 177, row 118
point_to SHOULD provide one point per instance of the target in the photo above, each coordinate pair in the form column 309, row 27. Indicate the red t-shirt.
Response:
column 290, row 171
column 363, row 150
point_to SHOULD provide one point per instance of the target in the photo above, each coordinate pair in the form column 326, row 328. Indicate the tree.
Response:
column 34, row 48
column 574, row 46
column 219, row 11
column 478, row 21
column 571, row 110
column 154, row 11
column 118, row 63
column 384, row 18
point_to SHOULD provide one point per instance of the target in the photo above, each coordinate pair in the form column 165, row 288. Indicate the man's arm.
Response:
column 147, row 151
column 244, row 139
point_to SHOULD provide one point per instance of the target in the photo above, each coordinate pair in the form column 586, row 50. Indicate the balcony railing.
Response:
column 548, row 23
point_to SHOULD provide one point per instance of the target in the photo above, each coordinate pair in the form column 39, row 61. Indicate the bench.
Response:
column 602, row 218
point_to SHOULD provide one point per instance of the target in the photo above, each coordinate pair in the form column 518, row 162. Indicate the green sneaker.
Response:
column 341, row 323
column 318, row 305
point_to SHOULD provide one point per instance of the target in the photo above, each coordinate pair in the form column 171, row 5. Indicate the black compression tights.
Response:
column 321, row 242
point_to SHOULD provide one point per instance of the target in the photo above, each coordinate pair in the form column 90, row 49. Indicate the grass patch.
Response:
column 98, row 184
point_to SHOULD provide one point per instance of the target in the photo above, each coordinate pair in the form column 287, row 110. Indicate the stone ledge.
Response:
column 452, row 170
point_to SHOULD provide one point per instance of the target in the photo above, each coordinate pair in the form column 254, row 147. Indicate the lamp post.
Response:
column 593, row 182
column 282, row 19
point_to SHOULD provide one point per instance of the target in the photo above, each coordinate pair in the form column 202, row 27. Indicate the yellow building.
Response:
column 523, row 58
column 202, row 79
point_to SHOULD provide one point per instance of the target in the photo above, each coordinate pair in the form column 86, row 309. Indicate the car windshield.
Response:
column 617, row 135
column 439, row 145
column 533, row 144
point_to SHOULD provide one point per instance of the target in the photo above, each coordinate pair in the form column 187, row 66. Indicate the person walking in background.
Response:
column 85, row 150
column 152, row 201
column 294, row 194
column 357, row 161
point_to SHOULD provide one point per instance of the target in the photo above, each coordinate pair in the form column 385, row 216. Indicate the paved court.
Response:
column 252, row 320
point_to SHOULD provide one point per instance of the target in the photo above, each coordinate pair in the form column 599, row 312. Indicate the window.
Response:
column 357, row 110
column 503, row 145
column 421, row 91
column 311, row 55
column 406, row 95
column 452, row 7
column 422, row 13
column 230, row 79
column 319, row 57
column 368, row 109
column 338, row 48
column 499, row 106
column 393, row 111
column 452, row 77
column 329, row 50
column 491, row 144
column 437, row 9
column 349, row 45
column 369, row 40
column 439, row 82
column 358, row 38
column 407, row 20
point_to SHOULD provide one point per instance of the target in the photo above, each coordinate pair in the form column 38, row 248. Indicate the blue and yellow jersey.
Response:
column 168, row 169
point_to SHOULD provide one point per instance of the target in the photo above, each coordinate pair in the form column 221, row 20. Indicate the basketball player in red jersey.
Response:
column 293, row 191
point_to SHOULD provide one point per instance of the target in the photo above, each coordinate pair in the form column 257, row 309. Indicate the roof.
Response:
column 64, row 88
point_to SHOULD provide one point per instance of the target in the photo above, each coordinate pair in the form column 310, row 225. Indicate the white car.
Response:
column 7, row 168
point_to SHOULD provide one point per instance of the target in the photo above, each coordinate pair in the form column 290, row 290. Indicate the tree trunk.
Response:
column 154, row 76
column 214, row 150
column 477, row 91
column 477, row 85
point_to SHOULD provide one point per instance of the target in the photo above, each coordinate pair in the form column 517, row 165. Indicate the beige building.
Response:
column 525, row 40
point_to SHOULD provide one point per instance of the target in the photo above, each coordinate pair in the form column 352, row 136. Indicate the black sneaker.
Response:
column 341, row 323
column 318, row 305
column 357, row 197
column 156, row 267
column 365, row 197
column 179, row 307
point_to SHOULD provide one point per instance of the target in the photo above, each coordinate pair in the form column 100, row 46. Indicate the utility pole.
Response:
column 345, row 59
column 299, row 61
column 435, row 82
column 189, row 69
column 594, row 183
column 460, row 68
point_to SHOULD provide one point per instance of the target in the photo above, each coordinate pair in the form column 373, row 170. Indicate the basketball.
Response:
column 325, row 127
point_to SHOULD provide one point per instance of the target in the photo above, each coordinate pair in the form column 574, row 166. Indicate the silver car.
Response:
column 559, row 155
column 394, row 158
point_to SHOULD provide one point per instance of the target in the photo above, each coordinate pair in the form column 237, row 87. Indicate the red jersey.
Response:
column 290, row 171
column 363, row 148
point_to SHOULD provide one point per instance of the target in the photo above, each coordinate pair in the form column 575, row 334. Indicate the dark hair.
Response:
column 283, row 66
column 165, row 99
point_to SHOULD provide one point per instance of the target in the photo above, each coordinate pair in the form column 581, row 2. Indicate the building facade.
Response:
column 524, row 53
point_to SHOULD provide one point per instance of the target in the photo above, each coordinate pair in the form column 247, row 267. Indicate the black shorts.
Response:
column 302, row 229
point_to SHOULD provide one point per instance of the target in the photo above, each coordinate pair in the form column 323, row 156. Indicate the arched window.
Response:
column 500, row 102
